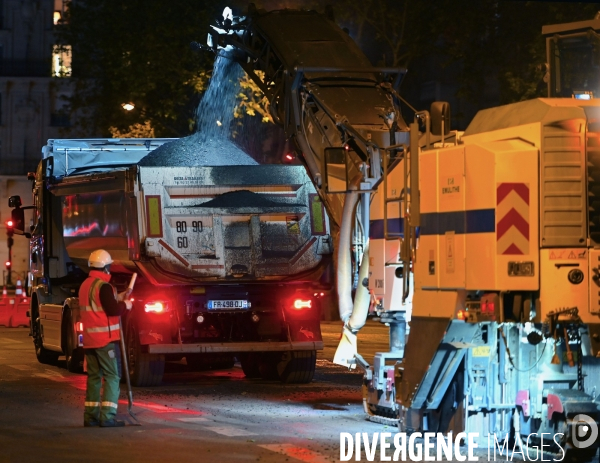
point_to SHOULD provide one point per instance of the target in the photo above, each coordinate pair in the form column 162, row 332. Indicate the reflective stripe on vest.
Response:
column 101, row 329
column 98, row 329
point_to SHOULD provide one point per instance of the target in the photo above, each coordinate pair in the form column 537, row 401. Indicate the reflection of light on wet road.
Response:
column 158, row 408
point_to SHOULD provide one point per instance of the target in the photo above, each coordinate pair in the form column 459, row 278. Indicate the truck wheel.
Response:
column 43, row 355
column 73, row 353
column 145, row 370
column 250, row 365
column 267, row 365
column 297, row 366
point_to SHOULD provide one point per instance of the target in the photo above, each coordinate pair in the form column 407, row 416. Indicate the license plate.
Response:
column 228, row 304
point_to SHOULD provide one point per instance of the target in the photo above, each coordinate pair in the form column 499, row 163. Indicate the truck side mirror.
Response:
column 18, row 218
column 14, row 201
column 336, row 170
column 440, row 118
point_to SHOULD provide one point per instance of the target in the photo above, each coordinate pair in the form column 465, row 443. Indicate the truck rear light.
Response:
column 300, row 304
column 79, row 327
column 155, row 307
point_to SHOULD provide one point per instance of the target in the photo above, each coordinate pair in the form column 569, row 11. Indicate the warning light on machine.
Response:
column 583, row 95
column 302, row 304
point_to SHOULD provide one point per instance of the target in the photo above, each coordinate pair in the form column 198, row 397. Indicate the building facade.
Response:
column 34, row 82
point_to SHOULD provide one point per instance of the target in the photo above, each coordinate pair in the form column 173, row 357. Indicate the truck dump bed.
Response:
column 182, row 225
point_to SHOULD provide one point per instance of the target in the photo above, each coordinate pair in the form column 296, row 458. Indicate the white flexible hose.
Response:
column 344, row 268
column 362, row 298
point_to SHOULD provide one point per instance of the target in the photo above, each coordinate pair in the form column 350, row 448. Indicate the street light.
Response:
column 128, row 106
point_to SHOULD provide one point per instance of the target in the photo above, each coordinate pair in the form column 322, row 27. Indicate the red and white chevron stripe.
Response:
column 512, row 218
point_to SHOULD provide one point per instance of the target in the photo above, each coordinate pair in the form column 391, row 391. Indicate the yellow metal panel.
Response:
column 452, row 260
column 481, row 261
column 530, row 133
column 480, row 169
column 428, row 181
column 451, row 191
column 427, row 266
column 437, row 303
column 451, row 184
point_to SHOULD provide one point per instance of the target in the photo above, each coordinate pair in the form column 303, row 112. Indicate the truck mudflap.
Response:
column 215, row 347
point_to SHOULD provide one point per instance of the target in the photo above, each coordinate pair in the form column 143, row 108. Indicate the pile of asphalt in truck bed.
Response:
column 242, row 198
column 197, row 150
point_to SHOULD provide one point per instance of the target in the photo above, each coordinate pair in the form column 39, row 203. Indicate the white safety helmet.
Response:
column 99, row 259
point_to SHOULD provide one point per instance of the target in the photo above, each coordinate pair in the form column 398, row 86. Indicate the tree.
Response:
column 485, row 52
column 136, row 51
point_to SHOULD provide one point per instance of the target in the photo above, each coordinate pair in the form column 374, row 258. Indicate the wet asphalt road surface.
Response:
column 213, row 416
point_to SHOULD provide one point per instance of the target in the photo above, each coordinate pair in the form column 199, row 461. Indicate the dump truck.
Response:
column 231, row 260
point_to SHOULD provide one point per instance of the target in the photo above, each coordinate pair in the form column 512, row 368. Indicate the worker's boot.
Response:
column 112, row 423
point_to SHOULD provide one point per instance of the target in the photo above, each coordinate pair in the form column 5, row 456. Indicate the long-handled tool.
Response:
column 125, row 371
column 125, row 368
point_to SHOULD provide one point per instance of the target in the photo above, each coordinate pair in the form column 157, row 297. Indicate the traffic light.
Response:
column 8, row 264
column 10, row 228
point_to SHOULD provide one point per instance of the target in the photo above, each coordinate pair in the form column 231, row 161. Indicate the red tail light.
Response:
column 79, row 327
column 300, row 304
column 155, row 307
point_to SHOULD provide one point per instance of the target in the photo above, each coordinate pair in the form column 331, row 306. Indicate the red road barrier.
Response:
column 19, row 312
column 13, row 311
column 6, row 310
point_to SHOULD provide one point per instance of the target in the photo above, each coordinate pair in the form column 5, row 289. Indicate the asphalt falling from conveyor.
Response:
column 211, row 145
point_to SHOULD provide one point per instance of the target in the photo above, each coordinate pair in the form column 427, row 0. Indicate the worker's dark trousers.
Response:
column 101, row 363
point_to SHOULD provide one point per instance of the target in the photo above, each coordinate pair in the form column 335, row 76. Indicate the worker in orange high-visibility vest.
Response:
column 101, row 308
